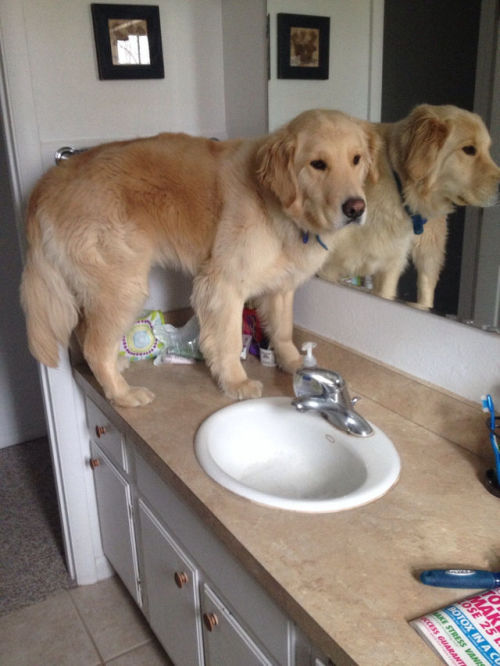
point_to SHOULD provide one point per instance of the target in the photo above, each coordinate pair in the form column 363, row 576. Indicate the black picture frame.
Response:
column 303, row 46
column 134, row 21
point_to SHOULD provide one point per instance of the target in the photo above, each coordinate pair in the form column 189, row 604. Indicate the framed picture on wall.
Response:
column 128, row 41
column 303, row 46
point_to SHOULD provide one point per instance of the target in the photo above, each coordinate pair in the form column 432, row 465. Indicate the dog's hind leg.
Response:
column 107, row 319
column 276, row 313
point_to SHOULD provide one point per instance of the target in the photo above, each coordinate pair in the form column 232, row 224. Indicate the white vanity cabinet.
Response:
column 248, row 623
column 203, row 606
column 114, row 499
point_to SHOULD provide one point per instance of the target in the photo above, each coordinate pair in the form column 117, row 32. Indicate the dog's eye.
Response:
column 356, row 159
column 318, row 164
column 469, row 150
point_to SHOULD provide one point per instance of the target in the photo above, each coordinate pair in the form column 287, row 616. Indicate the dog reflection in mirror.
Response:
column 434, row 160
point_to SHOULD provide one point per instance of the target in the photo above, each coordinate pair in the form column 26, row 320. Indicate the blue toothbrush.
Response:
column 492, row 475
column 470, row 578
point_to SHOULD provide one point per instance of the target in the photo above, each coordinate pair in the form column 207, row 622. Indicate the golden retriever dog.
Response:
column 247, row 218
column 440, row 156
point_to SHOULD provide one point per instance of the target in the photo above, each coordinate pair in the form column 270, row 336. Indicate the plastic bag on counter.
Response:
column 178, row 344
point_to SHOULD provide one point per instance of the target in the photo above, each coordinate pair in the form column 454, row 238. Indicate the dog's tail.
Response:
column 49, row 305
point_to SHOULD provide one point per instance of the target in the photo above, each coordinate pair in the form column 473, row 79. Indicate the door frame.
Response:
column 487, row 105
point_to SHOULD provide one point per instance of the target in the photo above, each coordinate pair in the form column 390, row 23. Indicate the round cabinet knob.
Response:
column 94, row 462
column 210, row 620
column 181, row 578
column 100, row 430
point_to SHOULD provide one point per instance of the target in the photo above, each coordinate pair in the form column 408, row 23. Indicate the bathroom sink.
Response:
column 268, row 452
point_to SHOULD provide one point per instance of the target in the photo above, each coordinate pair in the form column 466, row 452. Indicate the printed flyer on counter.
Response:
column 465, row 633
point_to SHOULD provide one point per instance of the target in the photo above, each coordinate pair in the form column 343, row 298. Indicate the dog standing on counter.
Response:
column 247, row 218
column 433, row 160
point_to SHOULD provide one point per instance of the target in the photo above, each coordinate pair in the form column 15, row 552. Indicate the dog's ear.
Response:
column 374, row 146
column 276, row 170
column 422, row 140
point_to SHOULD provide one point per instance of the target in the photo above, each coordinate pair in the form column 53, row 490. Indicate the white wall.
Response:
column 245, row 66
column 352, row 65
column 52, row 79
column 73, row 102
column 51, row 74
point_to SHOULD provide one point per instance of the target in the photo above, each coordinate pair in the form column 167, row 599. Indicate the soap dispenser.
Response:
column 309, row 361
column 303, row 384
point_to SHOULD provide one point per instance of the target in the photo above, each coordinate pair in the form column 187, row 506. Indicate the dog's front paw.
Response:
column 249, row 388
column 288, row 358
column 290, row 365
column 136, row 396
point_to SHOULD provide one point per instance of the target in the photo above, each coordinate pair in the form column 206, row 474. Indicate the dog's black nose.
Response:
column 353, row 208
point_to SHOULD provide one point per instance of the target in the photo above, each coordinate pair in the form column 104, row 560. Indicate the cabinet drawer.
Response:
column 241, row 591
column 104, row 433
column 225, row 639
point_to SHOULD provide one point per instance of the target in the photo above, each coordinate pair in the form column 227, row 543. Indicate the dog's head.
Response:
column 316, row 167
column 444, row 159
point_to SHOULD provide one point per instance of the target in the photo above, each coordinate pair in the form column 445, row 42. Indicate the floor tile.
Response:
column 111, row 617
column 48, row 632
column 150, row 654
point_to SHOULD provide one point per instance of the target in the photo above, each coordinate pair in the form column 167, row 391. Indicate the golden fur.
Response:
column 231, row 213
column 441, row 154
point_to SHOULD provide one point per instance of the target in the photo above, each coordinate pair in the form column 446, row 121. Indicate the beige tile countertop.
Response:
column 348, row 579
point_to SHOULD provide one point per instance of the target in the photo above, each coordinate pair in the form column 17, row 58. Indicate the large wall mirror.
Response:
column 442, row 52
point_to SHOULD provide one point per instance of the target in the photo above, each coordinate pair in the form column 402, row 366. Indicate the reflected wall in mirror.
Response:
column 436, row 53
column 129, row 41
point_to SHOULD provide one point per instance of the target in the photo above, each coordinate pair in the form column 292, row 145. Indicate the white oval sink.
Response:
column 268, row 452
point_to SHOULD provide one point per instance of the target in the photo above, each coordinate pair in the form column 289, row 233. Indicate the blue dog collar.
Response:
column 417, row 220
column 305, row 239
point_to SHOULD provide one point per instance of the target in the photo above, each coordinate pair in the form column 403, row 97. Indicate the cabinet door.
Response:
column 171, row 587
column 115, row 520
column 225, row 640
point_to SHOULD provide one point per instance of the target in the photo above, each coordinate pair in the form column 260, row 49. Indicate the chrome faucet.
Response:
column 325, row 391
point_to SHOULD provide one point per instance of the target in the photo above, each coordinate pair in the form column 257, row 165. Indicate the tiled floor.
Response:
column 86, row 626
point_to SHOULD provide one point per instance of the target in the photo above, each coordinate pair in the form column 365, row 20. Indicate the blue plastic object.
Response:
column 492, row 475
column 469, row 578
